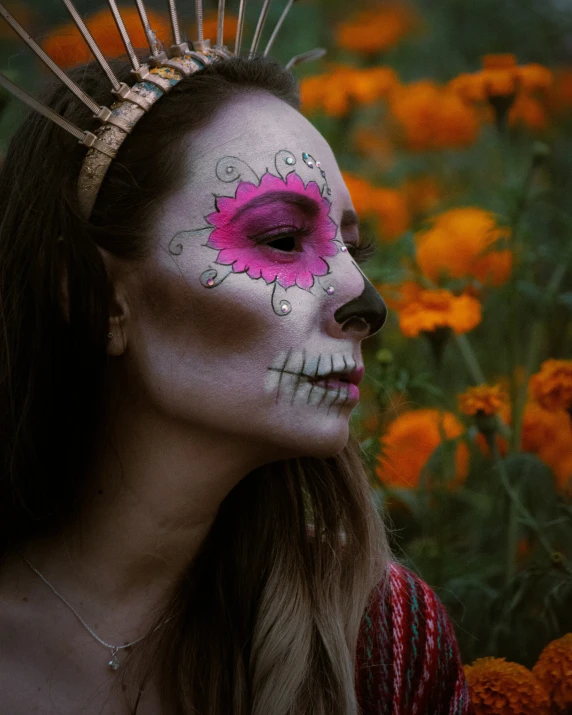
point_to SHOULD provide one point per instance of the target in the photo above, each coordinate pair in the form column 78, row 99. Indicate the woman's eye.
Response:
column 289, row 239
column 284, row 243
column 362, row 251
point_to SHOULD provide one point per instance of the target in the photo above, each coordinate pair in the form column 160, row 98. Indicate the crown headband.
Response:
column 154, row 79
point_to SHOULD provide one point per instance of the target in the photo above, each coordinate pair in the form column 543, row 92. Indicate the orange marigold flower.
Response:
column 528, row 111
column 376, row 30
column 430, row 116
column 371, row 83
column 544, row 433
column 387, row 206
column 433, row 309
column 502, row 83
column 548, row 434
column 486, row 399
column 535, row 78
column 552, row 386
column 560, row 93
column 554, row 670
column 409, row 442
column 67, row 48
column 338, row 90
column 498, row 687
column 459, row 244
column 390, row 205
column 315, row 95
column 501, row 76
column 360, row 191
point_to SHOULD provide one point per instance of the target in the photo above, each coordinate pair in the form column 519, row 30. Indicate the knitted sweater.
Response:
column 408, row 660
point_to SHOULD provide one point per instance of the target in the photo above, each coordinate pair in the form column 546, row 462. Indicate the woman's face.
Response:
column 247, row 319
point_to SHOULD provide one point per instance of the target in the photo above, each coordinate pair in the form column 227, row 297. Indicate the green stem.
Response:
column 511, row 542
column 470, row 358
column 513, row 502
column 535, row 346
column 466, row 350
column 521, row 391
column 517, row 510
column 518, row 397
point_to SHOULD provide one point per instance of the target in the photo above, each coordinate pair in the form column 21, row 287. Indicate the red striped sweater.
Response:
column 408, row 660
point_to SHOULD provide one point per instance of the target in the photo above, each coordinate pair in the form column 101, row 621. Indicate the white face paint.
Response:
column 238, row 315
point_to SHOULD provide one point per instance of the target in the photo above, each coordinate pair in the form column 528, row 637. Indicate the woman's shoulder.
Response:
column 408, row 659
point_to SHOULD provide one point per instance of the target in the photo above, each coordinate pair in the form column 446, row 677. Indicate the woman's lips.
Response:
column 343, row 383
column 346, row 390
column 356, row 376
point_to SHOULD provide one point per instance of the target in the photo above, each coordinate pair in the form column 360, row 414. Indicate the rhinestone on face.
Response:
column 230, row 170
column 344, row 249
column 318, row 164
column 310, row 164
column 289, row 160
column 114, row 663
column 210, row 282
column 330, row 290
column 285, row 307
column 305, row 155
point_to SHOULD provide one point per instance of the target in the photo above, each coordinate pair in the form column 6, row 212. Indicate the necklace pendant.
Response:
column 114, row 663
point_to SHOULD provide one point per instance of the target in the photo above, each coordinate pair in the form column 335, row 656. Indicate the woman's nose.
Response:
column 363, row 316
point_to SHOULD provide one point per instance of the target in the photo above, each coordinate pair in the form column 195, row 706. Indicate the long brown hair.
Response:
column 266, row 619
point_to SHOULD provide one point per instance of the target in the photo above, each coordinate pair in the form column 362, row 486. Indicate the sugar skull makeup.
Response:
column 254, row 305
column 276, row 228
column 247, row 226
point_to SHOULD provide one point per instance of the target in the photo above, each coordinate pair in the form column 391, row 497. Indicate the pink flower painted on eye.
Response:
column 245, row 224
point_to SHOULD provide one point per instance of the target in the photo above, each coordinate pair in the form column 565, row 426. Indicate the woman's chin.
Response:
column 322, row 438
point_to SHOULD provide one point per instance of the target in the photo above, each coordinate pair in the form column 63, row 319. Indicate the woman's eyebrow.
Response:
column 306, row 204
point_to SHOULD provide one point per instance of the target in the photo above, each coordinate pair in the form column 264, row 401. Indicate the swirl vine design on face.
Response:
column 275, row 228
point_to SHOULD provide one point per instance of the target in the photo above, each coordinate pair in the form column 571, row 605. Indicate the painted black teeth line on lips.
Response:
column 325, row 391
column 282, row 372
column 313, row 378
column 311, row 383
column 338, row 390
column 334, row 399
column 344, row 403
column 299, row 377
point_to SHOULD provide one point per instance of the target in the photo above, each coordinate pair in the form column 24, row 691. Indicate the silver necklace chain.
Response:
column 114, row 663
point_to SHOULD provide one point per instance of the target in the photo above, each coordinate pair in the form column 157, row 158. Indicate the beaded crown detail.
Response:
column 153, row 79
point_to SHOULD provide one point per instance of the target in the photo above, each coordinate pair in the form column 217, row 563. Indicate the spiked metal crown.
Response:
column 157, row 77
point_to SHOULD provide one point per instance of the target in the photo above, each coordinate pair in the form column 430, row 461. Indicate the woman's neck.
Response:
column 149, row 503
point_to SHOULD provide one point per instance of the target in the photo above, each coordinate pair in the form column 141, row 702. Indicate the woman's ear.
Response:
column 119, row 310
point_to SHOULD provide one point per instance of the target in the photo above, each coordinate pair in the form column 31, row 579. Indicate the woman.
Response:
column 178, row 374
